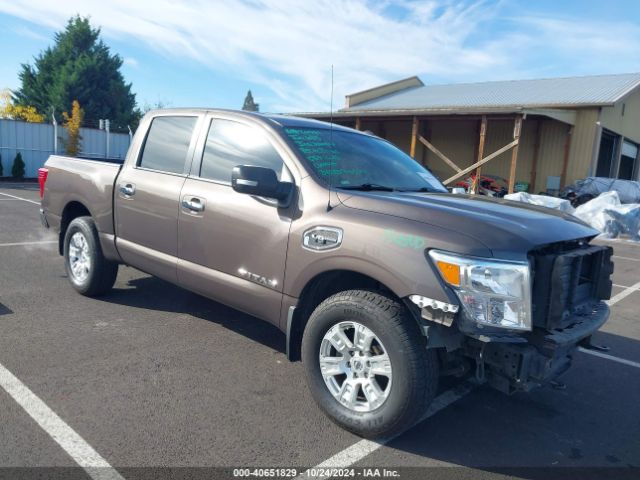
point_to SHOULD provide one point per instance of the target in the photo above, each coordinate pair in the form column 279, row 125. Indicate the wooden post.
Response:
column 424, row 127
column 414, row 137
column 517, row 127
column 438, row 153
column 565, row 161
column 536, row 153
column 486, row 159
column 358, row 124
column 483, row 134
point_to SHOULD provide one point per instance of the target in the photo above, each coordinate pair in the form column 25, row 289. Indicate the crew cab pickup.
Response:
column 382, row 280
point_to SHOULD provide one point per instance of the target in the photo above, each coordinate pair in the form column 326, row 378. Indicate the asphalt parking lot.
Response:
column 154, row 376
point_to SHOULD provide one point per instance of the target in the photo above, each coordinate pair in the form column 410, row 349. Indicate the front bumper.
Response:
column 512, row 367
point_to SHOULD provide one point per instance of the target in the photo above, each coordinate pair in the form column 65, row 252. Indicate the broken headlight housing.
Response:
column 492, row 292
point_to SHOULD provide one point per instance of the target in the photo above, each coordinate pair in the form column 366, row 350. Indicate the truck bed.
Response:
column 85, row 181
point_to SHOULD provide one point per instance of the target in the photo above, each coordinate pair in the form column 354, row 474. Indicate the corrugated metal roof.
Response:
column 551, row 92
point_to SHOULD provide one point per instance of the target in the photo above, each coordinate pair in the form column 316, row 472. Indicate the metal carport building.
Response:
column 547, row 132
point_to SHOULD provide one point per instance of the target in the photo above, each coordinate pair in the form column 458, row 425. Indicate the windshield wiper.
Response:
column 368, row 187
column 419, row 189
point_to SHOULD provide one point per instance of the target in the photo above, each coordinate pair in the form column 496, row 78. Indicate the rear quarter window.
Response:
column 167, row 144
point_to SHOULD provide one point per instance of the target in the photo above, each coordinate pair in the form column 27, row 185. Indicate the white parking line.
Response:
column 623, row 294
column 72, row 443
column 358, row 451
column 626, row 258
column 20, row 198
column 610, row 357
column 20, row 244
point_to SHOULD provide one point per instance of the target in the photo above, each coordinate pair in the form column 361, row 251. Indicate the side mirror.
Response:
column 261, row 182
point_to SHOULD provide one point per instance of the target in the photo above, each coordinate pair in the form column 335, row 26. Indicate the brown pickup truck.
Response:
column 382, row 280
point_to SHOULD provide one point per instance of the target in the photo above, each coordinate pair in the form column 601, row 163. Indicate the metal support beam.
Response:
column 565, row 160
column 517, row 127
column 358, row 124
column 438, row 153
column 414, row 137
column 486, row 159
column 595, row 153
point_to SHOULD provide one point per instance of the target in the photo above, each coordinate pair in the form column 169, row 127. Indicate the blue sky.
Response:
column 208, row 53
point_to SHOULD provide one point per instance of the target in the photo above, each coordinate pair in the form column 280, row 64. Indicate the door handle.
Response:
column 128, row 189
column 195, row 204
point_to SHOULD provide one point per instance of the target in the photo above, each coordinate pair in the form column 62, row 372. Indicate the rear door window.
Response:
column 232, row 143
column 167, row 144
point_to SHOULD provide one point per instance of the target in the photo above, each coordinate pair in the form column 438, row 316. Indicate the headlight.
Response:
column 494, row 293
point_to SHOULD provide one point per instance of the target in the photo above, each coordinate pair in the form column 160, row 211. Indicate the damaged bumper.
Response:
column 539, row 357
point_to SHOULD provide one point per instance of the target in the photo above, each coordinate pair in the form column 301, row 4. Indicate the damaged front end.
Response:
column 532, row 360
column 568, row 285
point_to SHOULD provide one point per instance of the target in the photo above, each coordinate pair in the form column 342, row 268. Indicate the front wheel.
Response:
column 367, row 364
column 90, row 273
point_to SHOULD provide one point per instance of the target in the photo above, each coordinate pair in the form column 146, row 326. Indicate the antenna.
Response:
column 331, row 102
column 330, row 137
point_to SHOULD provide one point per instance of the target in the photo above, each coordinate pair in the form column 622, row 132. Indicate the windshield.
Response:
column 355, row 161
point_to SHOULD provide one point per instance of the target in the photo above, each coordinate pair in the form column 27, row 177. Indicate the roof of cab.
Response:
column 278, row 119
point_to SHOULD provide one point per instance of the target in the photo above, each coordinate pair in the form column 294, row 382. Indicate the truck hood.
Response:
column 509, row 229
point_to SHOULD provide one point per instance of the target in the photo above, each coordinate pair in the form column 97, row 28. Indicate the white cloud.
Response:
column 130, row 62
column 290, row 45
column 590, row 44
column 30, row 33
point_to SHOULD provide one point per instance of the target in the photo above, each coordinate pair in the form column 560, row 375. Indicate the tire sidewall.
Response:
column 86, row 227
column 385, row 416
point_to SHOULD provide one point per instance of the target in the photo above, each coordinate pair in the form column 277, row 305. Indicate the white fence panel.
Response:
column 35, row 141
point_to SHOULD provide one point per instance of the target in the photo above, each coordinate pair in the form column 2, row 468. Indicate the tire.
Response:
column 412, row 378
column 93, row 275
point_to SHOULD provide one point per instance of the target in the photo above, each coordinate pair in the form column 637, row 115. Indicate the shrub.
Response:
column 17, row 171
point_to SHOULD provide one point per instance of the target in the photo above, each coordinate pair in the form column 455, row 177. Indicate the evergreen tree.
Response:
column 249, row 105
column 17, row 171
column 79, row 66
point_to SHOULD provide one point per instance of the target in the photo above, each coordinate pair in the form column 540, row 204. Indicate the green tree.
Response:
column 17, row 171
column 79, row 66
column 147, row 107
column 249, row 105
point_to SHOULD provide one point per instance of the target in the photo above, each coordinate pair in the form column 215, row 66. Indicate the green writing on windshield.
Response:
column 320, row 151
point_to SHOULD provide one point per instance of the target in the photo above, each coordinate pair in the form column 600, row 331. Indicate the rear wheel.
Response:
column 90, row 273
column 367, row 364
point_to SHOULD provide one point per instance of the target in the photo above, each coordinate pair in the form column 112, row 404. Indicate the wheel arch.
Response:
column 72, row 210
column 321, row 287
